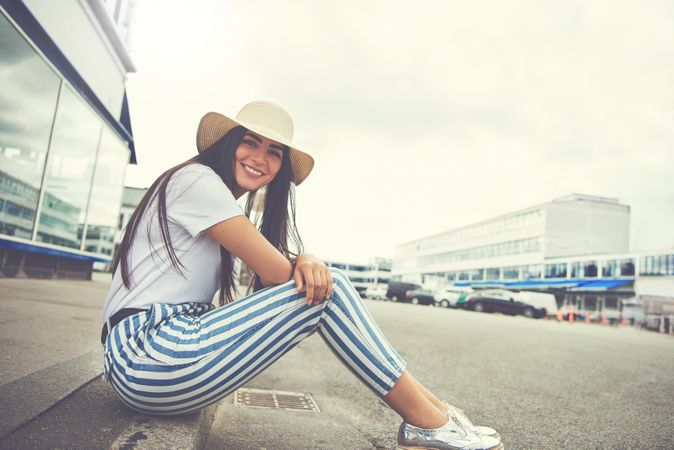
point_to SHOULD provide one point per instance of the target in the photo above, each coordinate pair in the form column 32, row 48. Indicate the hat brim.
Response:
column 213, row 126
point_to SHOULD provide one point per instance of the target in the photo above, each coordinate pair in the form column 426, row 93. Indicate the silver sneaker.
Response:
column 453, row 411
column 450, row 436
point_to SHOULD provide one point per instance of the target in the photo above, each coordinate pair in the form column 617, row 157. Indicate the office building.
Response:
column 576, row 247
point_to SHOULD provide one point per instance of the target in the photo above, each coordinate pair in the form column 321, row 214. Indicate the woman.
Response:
column 170, row 351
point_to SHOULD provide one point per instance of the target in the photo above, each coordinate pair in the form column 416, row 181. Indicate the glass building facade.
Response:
column 62, row 162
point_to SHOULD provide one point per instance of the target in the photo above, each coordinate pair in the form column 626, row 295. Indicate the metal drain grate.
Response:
column 261, row 398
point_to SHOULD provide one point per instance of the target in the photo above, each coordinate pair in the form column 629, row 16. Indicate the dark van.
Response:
column 397, row 290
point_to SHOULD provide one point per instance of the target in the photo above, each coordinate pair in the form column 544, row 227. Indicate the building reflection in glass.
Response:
column 28, row 98
column 70, row 168
column 106, row 191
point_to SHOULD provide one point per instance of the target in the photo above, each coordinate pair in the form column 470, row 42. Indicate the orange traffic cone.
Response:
column 571, row 315
column 560, row 314
column 587, row 316
column 602, row 318
column 623, row 320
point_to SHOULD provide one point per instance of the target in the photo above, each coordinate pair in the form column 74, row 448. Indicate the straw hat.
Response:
column 264, row 118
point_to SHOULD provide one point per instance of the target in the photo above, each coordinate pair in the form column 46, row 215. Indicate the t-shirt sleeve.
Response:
column 201, row 200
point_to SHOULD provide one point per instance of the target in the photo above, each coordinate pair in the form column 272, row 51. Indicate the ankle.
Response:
column 427, row 421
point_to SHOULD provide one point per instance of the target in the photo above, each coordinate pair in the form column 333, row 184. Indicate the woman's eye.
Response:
column 275, row 154
column 249, row 142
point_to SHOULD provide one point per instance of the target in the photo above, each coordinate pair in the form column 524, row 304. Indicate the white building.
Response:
column 575, row 246
column 377, row 271
column 515, row 245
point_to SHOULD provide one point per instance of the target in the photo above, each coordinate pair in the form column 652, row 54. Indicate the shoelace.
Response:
column 459, row 424
column 460, row 418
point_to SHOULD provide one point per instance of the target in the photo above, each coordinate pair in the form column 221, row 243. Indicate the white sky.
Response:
column 424, row 116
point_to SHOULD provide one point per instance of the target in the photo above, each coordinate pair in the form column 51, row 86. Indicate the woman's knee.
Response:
column 339, row 277
column 342, row 284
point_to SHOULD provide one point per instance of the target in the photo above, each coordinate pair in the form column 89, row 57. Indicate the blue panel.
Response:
column 29, row 25
column 49, row 251
column 578, row 284
column 603, row 284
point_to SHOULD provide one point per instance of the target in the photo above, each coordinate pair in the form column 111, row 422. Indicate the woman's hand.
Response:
column 313, row 275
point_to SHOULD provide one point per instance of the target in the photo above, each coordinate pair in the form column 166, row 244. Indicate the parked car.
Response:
column 420, row 297
column 397, row 290
column 541, row 300
column 360, row 290
column 497, row 294
column 376, row 292
column 538, row 300
column 503, row 303
column 452, row 296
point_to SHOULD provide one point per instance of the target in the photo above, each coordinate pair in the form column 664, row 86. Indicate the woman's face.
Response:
column 257, row 161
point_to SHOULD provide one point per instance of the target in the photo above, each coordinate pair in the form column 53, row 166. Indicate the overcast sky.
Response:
column 424, row 116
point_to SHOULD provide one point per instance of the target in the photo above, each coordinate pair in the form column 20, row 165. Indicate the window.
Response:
column 106, row 189
column 627, row 267
column 29, row 91
column 555, row 270
column 590, row 303
column 70, row 169
column 590, row 269
column 611, row 303
column 484, row 252
column 576, row 270
column 493, row 274
column 657, row 265
column 511, row 273
column 611, row 268
column 532, row 272
column 477, row 275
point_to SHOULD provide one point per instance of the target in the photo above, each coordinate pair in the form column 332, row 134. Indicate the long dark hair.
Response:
column 277, row 222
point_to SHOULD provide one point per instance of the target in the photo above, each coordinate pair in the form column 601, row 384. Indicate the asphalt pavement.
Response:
column 542, row 384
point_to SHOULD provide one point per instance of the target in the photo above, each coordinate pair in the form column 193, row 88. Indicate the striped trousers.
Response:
column 176, row 359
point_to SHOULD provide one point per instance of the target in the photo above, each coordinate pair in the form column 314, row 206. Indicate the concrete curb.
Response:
column 183, row 432
column 34, row 394
column 207, row 418
column 93, row 417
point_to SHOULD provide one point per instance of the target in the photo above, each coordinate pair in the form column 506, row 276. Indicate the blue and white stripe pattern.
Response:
column 176, row 359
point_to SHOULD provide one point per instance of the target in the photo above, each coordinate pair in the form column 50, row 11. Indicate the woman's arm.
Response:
column 243, row 240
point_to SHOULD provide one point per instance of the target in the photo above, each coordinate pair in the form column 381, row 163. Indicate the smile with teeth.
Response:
column 252, row 171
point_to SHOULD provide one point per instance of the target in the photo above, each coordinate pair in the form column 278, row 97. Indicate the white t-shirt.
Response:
column 196, row 199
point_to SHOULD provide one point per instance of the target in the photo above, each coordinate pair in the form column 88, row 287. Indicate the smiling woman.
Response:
column 178, row 249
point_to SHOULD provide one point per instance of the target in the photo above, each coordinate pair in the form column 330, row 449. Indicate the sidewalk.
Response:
column 350, row 417
column 50, row 366
column 51, row 392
